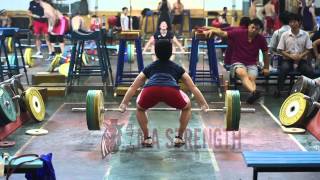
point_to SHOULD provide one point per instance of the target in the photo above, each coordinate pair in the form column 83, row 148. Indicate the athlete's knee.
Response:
column 187, row 106
column 139, row 108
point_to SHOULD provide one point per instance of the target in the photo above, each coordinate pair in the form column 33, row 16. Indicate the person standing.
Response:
column 57, row 25
column 177, row 16
column 270, row 14
column 164, row 13
column 124, row 19
column 40, row 25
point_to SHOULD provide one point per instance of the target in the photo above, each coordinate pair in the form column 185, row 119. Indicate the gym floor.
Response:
column 77, row 151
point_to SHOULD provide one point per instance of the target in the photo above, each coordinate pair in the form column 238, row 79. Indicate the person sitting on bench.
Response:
column 295, row 46
column 246, row 46
column 162, row 86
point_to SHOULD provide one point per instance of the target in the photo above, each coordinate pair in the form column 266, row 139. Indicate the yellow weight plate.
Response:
column 28, row 57
column 37, row 132
column 35, row 104
column 54, row 63
column 99, row 107
column 228, row 113
column 10, row 45
column 293, row 109
column 85, row 59
column 64, row 69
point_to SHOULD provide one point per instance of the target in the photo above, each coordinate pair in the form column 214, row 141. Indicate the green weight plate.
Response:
column 18, row 89
column 35, row 104
column 8, row 88
column 7, row 108
column 293, row 110
column 130, row 52
column 236, row 110
column 94, row 109
column 228, row 113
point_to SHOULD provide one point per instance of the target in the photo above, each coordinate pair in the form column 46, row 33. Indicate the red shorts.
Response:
column 40, row 27
column 150, row 96
column 61, row 27
column 269, row 22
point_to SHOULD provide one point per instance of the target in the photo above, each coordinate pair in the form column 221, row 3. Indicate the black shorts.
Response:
column 56, row 38
column 177, row 19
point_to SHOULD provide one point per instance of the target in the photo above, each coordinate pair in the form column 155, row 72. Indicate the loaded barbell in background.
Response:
column 14, row 98
column 95, row 109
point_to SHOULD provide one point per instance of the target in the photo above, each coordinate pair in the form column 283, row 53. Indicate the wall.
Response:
column 116, row 5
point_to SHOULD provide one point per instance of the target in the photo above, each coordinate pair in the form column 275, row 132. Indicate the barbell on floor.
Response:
column 95, row 109
column 244, row 110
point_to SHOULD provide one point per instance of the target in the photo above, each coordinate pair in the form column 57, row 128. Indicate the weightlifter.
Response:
column 162, row 86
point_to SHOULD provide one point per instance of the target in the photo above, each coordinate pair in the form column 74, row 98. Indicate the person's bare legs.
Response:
column 38, row 42
column 46, row 37
column 143, row 121
column 184, row 118
column 246, row 82
column 62, row 47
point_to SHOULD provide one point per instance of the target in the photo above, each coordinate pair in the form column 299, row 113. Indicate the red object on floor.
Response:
column 314, row 126
column 8, row 129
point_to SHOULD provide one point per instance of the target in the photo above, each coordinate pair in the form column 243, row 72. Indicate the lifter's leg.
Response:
column 184, row 118
column 143, row 121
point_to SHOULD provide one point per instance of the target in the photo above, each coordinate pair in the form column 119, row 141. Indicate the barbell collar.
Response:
column 243, row 110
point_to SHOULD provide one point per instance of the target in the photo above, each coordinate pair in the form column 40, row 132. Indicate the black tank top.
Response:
column 158, row 36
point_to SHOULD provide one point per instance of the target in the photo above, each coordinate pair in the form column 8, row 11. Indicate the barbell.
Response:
column 95, row 109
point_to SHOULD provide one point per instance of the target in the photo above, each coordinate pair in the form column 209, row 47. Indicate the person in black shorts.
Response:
column 177, row 10
column 162, row 86
column 163, row 33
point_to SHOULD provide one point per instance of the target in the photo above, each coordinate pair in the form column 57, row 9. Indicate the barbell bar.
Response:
column 95, row 109
column 244, row 110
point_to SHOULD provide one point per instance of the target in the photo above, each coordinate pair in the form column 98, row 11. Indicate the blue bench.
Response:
column 299, row 161
column 22, row 164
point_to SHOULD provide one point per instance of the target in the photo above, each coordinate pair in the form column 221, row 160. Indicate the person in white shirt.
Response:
column 295, row 46
column 124, row 19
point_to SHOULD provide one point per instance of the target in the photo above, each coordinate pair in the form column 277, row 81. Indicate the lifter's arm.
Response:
column 138, row 82
column 186, row 79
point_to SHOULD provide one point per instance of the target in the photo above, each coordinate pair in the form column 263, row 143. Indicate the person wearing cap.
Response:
column 162, row 86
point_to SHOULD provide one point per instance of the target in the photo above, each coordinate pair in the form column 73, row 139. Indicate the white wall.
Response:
column 116, row 5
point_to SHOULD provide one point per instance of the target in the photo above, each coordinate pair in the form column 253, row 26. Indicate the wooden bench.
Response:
column 299, row 161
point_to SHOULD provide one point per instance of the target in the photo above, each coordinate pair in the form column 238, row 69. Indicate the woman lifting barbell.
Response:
column 163, row 33
column 162, row 86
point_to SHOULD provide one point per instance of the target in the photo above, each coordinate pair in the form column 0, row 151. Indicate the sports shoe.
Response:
column 178, row 141
column 51, row 56
column 38, row 55
column 147, row 142
column 253, row 97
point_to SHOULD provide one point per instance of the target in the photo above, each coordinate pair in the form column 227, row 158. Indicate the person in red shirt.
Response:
column 246, row 46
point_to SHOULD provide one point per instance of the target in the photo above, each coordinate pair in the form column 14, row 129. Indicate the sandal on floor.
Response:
column 147, row 142
column 178, row 141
